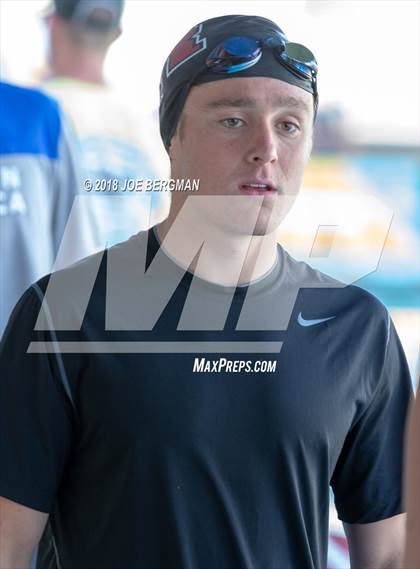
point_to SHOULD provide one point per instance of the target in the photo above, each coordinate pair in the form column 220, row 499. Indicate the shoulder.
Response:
column 126, row 251
column 79, row 290
column 33, row 123
column 18, row 95
column 319, row 293
column 307, row 277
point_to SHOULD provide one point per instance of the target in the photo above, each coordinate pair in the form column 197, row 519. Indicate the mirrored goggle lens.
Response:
column 299, row 57
column 234, row 54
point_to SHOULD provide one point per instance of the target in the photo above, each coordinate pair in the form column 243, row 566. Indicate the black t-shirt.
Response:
column 211, row 440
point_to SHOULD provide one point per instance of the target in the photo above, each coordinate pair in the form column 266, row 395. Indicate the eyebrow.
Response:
column 249, row 103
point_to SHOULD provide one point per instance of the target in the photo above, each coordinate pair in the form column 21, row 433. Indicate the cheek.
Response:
column 212, row 160
column 293, row 161
column 199, row 152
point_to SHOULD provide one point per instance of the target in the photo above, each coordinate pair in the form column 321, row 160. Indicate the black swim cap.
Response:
column 186, row 64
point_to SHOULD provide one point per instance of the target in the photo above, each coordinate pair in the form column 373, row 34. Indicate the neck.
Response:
column 227, row 259
column 84, row 67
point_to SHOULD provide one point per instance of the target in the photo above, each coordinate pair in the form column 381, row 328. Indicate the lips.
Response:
column 258, row 187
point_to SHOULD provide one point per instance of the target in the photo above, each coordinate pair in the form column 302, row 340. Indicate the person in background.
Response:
column 39, row 179
column 115, row 141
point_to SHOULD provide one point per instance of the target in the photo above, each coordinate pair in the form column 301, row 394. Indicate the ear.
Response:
column 311, row 142
column 116, row 34
column 53, row 22
column 56, row 31
column 170, row 152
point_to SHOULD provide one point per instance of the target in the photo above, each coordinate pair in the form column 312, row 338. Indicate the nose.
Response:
column 262, row 147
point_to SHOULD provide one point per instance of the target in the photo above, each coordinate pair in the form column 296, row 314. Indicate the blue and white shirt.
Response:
column 38, row 183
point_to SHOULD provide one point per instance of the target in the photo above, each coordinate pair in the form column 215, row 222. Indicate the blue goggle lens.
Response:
column 242, row 46
column 235, row 54
column 240, row 52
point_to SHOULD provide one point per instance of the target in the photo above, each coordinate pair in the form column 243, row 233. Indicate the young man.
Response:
column 195, row 415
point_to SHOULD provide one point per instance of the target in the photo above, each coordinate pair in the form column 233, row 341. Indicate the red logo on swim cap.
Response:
column 191, row 44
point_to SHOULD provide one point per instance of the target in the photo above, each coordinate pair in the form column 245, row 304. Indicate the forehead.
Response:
column 249, row 92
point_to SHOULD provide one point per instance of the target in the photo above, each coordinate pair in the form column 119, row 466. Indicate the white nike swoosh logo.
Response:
column 304, row 322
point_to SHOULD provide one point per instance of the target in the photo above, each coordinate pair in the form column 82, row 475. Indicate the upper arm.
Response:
column 37, row 411
column 20, row 529
column 377, row 545
column 367, row 478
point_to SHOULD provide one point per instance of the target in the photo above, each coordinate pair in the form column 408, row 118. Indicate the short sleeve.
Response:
column 37, row 421
column 367, row 480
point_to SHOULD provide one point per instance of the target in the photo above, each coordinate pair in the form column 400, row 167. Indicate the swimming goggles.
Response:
column 241, row 52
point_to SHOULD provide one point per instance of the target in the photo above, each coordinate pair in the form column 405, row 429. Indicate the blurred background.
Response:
column 358, row 216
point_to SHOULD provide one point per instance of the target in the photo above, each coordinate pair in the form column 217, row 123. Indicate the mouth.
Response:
column 258, row 188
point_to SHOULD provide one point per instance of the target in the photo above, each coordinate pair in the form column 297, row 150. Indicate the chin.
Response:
column 261, row 230
column 268, row 222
